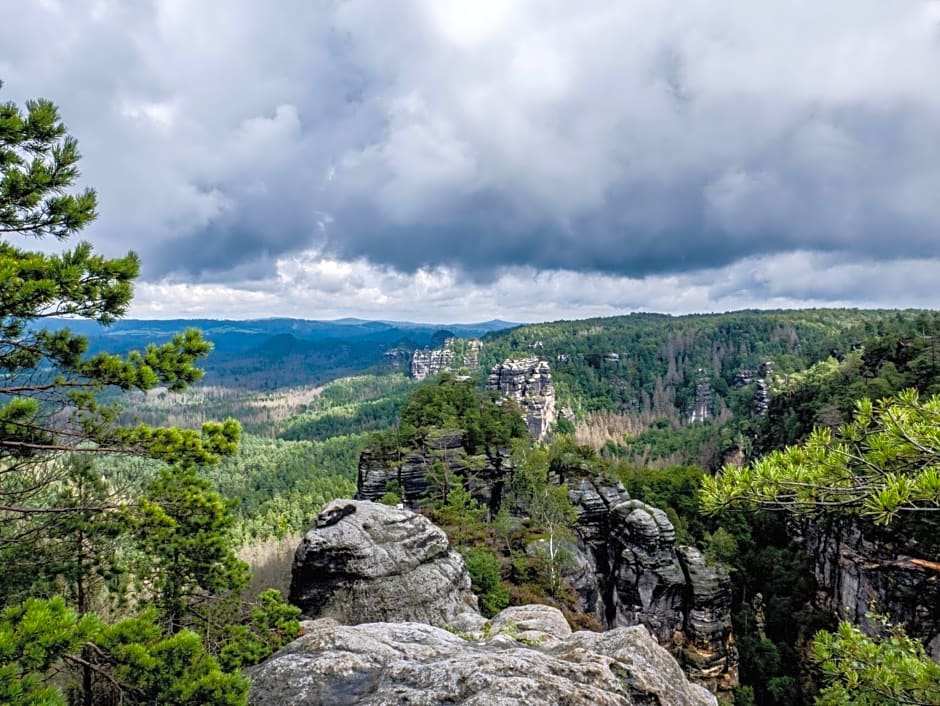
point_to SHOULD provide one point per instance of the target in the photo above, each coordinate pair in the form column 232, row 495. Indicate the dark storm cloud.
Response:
column 634, row 138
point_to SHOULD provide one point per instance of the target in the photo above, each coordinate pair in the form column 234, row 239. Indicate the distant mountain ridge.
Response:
column 329, row 328
column 278, row 352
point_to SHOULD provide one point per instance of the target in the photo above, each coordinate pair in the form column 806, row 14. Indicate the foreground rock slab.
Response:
column 411, row 663
column 363, row 562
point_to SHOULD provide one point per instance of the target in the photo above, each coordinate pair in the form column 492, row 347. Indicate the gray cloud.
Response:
column 635, row 140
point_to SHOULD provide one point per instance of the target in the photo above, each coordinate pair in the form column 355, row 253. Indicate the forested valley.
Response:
column 148, row 514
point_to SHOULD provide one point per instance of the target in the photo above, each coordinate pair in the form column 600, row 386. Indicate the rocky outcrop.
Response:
column 706, row 643
column 397, row 357
column 363, row 566
column 861, row 568
column 701, row 409
column 760, row 378
column 484, row 476
column 625, row 566
column 363, row 562
column 454, row 356
column 530, row 657
column 639, row 576
column 528, row 382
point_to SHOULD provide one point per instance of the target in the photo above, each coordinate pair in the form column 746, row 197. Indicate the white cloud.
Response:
column 522, row 159
column 312, row 286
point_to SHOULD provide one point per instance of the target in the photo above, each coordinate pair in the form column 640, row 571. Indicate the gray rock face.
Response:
column 640, row 577
column 453, row 356
column 483, row 476
column 861, row 568
column 530, row 658
column 760, row 379
column 397, row 357
column 363, row 562
column 706, row 645
column 701, row 409
column 528, row 382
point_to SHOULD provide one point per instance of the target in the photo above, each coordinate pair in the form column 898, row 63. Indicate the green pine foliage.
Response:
column 486, row 579
column 184, row 527
column 272, row 623
column 888, row 670
column 131, row 662
column 75, row 537
column 885, row 462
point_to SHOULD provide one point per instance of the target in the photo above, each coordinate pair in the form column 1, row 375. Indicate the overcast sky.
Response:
column 461, row 160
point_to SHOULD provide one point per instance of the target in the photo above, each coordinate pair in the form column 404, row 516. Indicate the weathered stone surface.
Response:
column 381, row 664
column 701, row 409
column 484, row 476
column 528, row 382
column 639, row 576
column 707, row 648
column 455, row 355
column 364, row 562
column 533, row 623
column 861, row 568
column 685, row 603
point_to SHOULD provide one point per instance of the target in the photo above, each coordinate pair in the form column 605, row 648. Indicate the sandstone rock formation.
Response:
column 363, row 562
column 862, row 568
column 530, row 658
column 760, row 378
column 397, row 357
column 455, row 355
column 701, row 409
column 639, row 576
column 528, row 382
column 625, row 567
column 378, row 468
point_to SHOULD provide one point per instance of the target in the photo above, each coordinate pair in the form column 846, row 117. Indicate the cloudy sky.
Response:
column 464, row 160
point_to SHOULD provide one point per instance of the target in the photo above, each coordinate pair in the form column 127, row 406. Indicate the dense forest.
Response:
column 847, row 356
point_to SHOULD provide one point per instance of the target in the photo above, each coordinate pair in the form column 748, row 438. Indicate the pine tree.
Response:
column 48, row 382
column 884, row 463
column 184, row 531
column 60, row 519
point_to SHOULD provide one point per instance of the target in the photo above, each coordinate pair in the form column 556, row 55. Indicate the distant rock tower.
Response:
column 701, row 409
column 528, row 382
column 455, row 355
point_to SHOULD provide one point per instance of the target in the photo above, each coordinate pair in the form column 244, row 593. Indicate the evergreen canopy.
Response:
column 49, row 384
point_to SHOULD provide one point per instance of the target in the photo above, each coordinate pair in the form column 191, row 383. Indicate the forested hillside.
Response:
column 651, row 364
column 822, row 362
column 628, row 384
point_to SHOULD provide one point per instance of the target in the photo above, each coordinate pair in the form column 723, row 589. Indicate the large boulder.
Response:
column 529, row 657
column 364, row 562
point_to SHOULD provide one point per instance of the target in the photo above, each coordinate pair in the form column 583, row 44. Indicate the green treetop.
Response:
column 885, row 462
column 49, row 384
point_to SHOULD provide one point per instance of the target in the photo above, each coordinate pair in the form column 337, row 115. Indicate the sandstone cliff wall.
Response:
column 455, row 355
column 860, row 568
column 528, row 382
